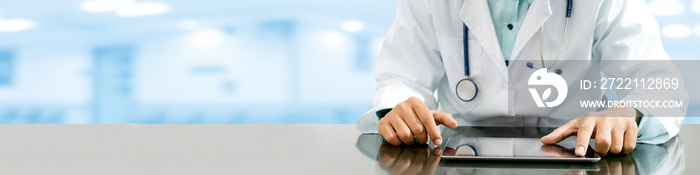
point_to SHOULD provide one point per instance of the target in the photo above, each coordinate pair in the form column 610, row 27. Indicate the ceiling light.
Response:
column 352, row 26
column 125, row 8
column 143, row 9
column 207, row 38
column 676, row 31
column 14, row 25
column 105, row 5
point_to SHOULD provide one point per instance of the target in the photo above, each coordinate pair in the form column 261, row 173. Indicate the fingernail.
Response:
column 580, row 150
column 438, row 141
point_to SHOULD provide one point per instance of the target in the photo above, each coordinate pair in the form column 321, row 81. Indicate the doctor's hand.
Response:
column 412, row 120
column 614, row 130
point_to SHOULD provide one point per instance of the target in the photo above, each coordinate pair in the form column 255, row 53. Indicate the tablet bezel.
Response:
column 593, row 159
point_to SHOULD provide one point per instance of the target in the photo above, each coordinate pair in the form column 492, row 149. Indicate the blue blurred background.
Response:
column 213, row 61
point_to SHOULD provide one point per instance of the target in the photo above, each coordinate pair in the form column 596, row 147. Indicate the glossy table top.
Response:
column 278, row 149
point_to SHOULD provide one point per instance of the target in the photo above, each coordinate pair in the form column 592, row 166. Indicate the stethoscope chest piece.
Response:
column 466, row 89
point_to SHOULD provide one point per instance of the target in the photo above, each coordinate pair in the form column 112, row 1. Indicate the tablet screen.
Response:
column 475, row 147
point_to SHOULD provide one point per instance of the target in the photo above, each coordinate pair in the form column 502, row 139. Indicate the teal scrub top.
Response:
column 507, row 16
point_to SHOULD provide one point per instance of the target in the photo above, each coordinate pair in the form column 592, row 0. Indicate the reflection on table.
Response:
column 667, row 158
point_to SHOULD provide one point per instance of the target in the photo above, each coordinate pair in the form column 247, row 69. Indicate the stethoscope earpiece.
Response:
column 558, row 71
column 531, row 65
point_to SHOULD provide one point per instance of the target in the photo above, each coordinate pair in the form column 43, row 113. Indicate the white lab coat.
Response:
column 422, row 56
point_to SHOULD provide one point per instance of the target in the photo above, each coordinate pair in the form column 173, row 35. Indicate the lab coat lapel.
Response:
column 475, row 14
column 537, row 14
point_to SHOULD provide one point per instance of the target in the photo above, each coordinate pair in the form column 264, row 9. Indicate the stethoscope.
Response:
column 467, row 89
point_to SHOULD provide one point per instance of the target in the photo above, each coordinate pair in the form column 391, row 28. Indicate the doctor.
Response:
column 434, row 44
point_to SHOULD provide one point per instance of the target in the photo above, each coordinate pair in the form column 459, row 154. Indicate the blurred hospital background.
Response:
column 215, row 61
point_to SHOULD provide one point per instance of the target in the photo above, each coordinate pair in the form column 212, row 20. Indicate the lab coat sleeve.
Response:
column 409, row 62
column 625, row 31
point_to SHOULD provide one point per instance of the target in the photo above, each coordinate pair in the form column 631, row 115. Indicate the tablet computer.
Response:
column 503, row 149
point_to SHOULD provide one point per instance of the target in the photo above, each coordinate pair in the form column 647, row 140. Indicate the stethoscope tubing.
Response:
column 466, row 50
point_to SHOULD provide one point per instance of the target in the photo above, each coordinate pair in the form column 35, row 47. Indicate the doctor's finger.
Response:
column 630, row 141
column 445, row 119
column 434, row 131
column 618, row 138
column 560, row 133
column 603, row 139
column 426, row 118
column 387, row 132
column 585, row 130
column 416, row 126
column 403, row 131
